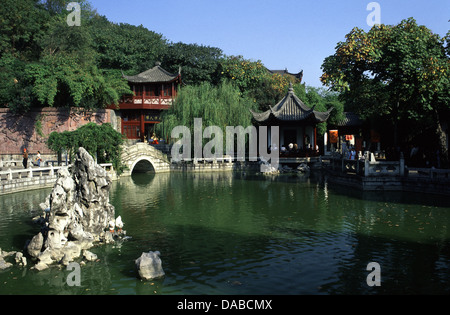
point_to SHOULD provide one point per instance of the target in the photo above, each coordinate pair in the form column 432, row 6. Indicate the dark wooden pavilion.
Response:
column 297, row 125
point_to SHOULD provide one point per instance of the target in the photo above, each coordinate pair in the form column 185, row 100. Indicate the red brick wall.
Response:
column 19, row 131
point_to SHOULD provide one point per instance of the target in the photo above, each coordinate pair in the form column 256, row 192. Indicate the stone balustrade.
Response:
column 365, row 167
column 223, row 163
column 15, row 180
column 371, row 175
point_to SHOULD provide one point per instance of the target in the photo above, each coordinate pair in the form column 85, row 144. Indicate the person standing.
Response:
column 25, row 158
column 38, row 158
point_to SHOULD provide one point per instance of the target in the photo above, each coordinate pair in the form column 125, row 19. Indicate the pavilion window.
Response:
column 130, row 116
column 156, row 90
column 131, row 132
column 139, row 90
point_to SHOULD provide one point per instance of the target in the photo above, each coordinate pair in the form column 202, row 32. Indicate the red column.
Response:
column 142, row 127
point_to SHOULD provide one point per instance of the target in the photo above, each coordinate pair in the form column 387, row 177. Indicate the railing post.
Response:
column 366, row 167
column 52, row 171
column 30, row 172
column 402, row 166
column 10, row 174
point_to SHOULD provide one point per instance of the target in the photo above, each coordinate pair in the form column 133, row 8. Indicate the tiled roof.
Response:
column 291, row 108
column 298, row 76
column 155, row 74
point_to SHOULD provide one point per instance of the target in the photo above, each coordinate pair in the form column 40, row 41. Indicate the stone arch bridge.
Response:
column 142, row 157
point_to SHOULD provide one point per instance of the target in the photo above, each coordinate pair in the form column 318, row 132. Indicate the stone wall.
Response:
column 19, row 131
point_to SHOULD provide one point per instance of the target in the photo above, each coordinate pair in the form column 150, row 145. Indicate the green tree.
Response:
column 22, row 23
column 59, row 80
column 198, row 63
column 399, row 72
column 126, row 47
column 247, row 75
column 44, row 62
column 220, row 105
column 61, row 142
column 322, row 100
column 255, row 81
column 108, row 150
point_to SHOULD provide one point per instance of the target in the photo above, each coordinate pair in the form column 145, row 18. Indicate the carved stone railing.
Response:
column 14, row 180
column 365, row 167
column 429, row 173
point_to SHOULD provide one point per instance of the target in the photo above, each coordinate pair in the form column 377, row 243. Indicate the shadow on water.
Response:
column 142, row 181
column 404, row 197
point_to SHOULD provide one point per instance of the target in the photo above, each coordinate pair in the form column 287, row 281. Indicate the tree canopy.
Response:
column 46, row 62
column 221, row 106
column 106, row 151
column 399, row 72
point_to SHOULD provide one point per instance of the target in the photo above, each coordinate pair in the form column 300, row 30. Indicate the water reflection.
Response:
column 224, row 233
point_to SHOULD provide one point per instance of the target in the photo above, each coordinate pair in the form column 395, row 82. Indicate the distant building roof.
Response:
column 291, row 108
column 298, row 76
column 155, row 74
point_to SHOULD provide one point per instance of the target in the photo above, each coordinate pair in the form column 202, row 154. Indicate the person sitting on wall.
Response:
column 155, row 139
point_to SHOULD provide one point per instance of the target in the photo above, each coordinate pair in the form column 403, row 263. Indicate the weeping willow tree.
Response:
column 222, row 105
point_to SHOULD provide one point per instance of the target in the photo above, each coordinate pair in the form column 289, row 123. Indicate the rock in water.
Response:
column 149, row 265
column 79, row 210
column 35, row 245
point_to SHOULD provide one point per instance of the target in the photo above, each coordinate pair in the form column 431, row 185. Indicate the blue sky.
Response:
column 292, row 34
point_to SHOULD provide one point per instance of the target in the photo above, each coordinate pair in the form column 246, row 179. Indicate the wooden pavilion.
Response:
column 154, row 90
column 297, row 125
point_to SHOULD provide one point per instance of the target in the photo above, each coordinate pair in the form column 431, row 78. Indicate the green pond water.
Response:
column 223, row 233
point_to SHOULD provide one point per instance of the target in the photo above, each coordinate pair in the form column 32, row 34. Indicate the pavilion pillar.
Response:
column 304, row 138
column 315, row 141
column 142, row 127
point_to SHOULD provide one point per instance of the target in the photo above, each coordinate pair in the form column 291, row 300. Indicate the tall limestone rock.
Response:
column 78, row 213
